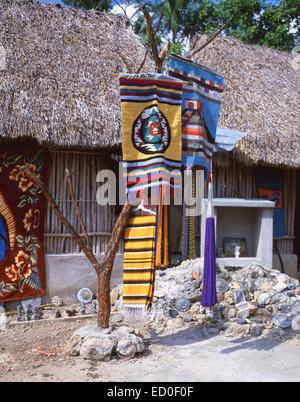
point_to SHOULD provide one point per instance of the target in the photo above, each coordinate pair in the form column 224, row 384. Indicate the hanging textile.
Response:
column 201, row 101
column 209, row 292
column 188, row 219
column 139, row 265
column 22, row 212
column 161, row 236
column 270, row 186
column 151, row 131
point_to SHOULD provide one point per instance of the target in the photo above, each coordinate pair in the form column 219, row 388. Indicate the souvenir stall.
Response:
column 169, row 125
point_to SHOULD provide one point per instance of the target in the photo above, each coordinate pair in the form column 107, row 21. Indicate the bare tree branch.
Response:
column 164, row 52
column 209, row 40
column 151, row 37
column 158, row 24
column 60, row 216
column 125, row 62
column 103, row 270
column 143, row 62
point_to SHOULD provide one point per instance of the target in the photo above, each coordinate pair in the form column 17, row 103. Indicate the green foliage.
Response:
column 252, row 21
column 177, row 48
column 262, row 22
column 100, row 5
column 259, row 22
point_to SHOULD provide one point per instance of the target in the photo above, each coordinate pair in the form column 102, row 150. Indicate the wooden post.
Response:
column 103, row 270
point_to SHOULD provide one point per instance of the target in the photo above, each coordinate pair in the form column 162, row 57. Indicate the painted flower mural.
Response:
column 22, row 271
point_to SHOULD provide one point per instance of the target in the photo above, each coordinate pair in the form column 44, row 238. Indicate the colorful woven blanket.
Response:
column 200, row 109
column 201, row 100
column 139, row 265
column 22, row 211
column 188, row 219
column 151, row 131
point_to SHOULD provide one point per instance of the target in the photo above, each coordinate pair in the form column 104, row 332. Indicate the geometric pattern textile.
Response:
column 139, row 269
column 151, row 131
column 202, row 93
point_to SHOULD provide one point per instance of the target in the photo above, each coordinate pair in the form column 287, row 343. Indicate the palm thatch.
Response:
column 56, row 84
column 261, row 99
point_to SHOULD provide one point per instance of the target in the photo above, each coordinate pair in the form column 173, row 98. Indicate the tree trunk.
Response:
column 103, row 270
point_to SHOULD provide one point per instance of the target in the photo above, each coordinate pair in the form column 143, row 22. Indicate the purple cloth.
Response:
column 209, row 293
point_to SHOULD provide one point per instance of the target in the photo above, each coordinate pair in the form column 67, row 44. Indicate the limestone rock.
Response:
column 229, row 297
column 263, row 299
column 230, row 313
column 159, row 294
column 296, row 323
column 237, row 330
column 243, row 309
column 57, row 301
column 196, row 276
column 128, row 348
column 114, row 295
column 74, row 345
column 175, row 322
column 256, row 330
column 101, row 344
column 222, row 285
column 195, row 308
column 263, row 314
column 280, row 286
column 99, row 349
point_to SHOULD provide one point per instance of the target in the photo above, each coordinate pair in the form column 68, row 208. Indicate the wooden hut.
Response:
column 262, row 100
column 57, row 89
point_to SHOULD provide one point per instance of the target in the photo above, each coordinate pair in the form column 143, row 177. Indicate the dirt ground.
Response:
column 35, row 352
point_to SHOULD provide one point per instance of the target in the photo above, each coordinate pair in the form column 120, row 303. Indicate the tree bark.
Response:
column 107, row 265
column 103, row 270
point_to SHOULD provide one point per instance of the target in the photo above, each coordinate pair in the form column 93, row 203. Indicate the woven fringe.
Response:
column 135, row 313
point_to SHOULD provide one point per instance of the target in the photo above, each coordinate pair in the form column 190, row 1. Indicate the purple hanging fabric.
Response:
column 209, row 293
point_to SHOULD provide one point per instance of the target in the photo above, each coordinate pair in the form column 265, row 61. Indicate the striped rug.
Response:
column 201, row 102
column 151, row 132
column 139, row 270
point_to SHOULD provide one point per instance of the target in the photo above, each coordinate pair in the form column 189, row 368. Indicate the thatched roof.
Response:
column 58, row 86
column 262, row 99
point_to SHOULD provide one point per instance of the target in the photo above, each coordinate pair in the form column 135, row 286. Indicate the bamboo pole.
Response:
column 76, row 208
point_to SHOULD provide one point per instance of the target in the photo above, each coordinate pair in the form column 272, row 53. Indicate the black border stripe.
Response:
column 137, row 282
column 137, row 298
column 150, row 100
column 134, row 250
column 200, row 82
column 154, row 157
column 137, row 270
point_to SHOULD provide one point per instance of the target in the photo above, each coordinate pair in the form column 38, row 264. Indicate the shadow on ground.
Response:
column 195, row 334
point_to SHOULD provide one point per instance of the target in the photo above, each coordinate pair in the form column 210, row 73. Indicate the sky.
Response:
column 116, row 9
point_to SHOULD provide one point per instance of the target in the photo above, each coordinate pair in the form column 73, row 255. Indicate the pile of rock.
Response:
column 93, row 343
column 253, row 300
